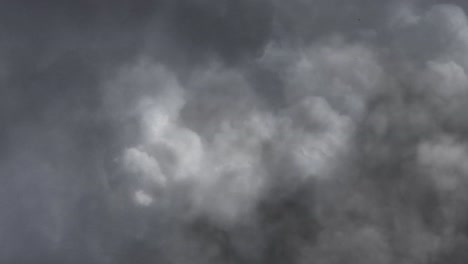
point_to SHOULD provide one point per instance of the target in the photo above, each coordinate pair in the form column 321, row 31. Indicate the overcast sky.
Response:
column 233, row 131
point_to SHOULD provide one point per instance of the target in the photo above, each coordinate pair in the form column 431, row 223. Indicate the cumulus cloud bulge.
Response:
column 234, row 131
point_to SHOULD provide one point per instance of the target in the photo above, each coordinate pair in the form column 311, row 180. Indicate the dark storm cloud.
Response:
column 203, row 131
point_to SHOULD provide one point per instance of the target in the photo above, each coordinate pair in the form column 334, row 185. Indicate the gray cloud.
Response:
column 199, row 131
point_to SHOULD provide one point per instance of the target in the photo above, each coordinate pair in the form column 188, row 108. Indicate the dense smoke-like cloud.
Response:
column 246, row 131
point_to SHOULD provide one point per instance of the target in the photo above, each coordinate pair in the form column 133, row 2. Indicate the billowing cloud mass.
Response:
column 243, row 131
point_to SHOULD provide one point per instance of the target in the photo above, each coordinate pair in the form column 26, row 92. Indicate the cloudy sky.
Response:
column 233, row 132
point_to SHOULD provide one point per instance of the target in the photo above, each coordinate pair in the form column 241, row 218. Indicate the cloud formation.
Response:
column 261, row 131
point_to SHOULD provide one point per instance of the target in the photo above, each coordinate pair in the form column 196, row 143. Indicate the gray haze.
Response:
column 233, row 131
